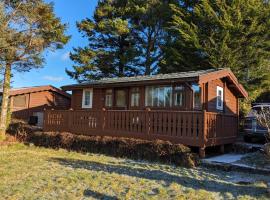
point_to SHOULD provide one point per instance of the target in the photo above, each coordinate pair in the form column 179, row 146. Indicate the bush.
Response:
column 158, row 150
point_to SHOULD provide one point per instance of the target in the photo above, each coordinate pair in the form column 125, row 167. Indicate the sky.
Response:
column 53, row 71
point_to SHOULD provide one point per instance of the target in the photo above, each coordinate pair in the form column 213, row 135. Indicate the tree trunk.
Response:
column 5, row 101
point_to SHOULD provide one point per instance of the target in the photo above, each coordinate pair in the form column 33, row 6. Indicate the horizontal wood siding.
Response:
column 194, row 128
column 230, row 100
column 37, row 102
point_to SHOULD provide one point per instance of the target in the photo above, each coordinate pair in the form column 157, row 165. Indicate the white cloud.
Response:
column 65, row 56
column 53, row 78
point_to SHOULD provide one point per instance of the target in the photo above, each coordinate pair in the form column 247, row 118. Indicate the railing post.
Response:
column 204, row 138
column 103, row 120
column 148, row 121
column 69, row 119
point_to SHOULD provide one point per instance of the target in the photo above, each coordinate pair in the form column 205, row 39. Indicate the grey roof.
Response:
column 178, row 75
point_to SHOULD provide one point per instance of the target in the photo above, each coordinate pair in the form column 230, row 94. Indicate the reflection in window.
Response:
column 108, row 98
column 87, row 98
column 219, row 98
column 120, row 98
column 135, row 97
column 179, row 95
column 158, row 96
column 196, row 96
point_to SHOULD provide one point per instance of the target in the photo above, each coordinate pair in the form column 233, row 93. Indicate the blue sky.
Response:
column 53, row 72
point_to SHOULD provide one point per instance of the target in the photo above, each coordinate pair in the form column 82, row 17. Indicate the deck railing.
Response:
column 194, row 128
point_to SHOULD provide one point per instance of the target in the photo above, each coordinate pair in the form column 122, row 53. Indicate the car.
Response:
column 252, row 128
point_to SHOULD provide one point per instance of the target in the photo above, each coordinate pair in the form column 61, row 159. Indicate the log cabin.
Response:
column 31, row 101
column 196, row 108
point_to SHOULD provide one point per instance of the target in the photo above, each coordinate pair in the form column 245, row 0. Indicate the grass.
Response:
column 256, row 159
column 28, row 172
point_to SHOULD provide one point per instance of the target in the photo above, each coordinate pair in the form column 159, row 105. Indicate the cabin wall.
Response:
column 208, row 96
column 39, row 100
column 99, row 99
column 230, row 100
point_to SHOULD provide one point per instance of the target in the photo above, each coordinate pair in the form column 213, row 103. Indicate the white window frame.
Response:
column 222, row 98
column 90, row 100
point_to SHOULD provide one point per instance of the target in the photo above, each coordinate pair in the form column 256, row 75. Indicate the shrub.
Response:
column 158, row 150
column 263, row 117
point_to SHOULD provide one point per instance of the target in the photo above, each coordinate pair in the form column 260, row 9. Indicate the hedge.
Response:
column 161, row 151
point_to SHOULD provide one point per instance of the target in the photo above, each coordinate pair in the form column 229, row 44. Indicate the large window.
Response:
column 158, row 96
column 87, row 98
column 135, row 97
column 219, row 105
column 196, row 96
column 19, row 101
column 179, row 95
column 121, row 98
column 108, row 98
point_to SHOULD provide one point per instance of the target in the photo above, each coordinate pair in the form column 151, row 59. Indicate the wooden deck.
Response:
column 192, row 128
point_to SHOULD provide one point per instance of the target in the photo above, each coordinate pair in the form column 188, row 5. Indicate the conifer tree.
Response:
column 148, row 21
column 27, row 29
column 223, row 34
column 125, row 38
column 110, row 50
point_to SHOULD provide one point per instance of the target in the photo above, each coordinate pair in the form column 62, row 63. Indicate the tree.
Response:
column 28, row 28
column 125, row 38
column 148, row 21
column 223, row 34
column 263, row 118
column 110, row 51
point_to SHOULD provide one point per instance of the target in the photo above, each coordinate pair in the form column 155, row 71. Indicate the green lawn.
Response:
column 39, row 173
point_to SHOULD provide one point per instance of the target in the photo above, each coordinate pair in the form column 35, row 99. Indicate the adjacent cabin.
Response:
column 196, row 108
column 31, row 101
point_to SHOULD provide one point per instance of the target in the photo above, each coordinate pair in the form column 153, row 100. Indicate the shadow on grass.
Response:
column 187, row 179
column 98, row 195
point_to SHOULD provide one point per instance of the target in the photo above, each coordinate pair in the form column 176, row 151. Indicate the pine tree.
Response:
column 27, row 29
column 223, row 34
column 125, row 38
column 110, row 51
column 148, row 21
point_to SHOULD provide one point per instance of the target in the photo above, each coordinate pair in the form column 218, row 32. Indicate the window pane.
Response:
column 178, row 95
column 108, row 98
column 219, row 98
column 120, row 98
column 197, row 96
column 158, row 96
column 19, row 101
column 155, row 96
column 161, row 97
column 135, row 97
column 168, row 96
column 87, row 96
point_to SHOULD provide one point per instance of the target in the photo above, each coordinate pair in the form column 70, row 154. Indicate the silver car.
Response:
column 252, row 128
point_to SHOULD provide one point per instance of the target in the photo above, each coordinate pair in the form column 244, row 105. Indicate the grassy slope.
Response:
column 38, row 173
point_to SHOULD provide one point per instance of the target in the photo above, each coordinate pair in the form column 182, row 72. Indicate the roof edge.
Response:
column 226, row 72
column 25, row 90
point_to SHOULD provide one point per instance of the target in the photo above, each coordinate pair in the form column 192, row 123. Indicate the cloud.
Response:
column 53, row 78
column 65, row 56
